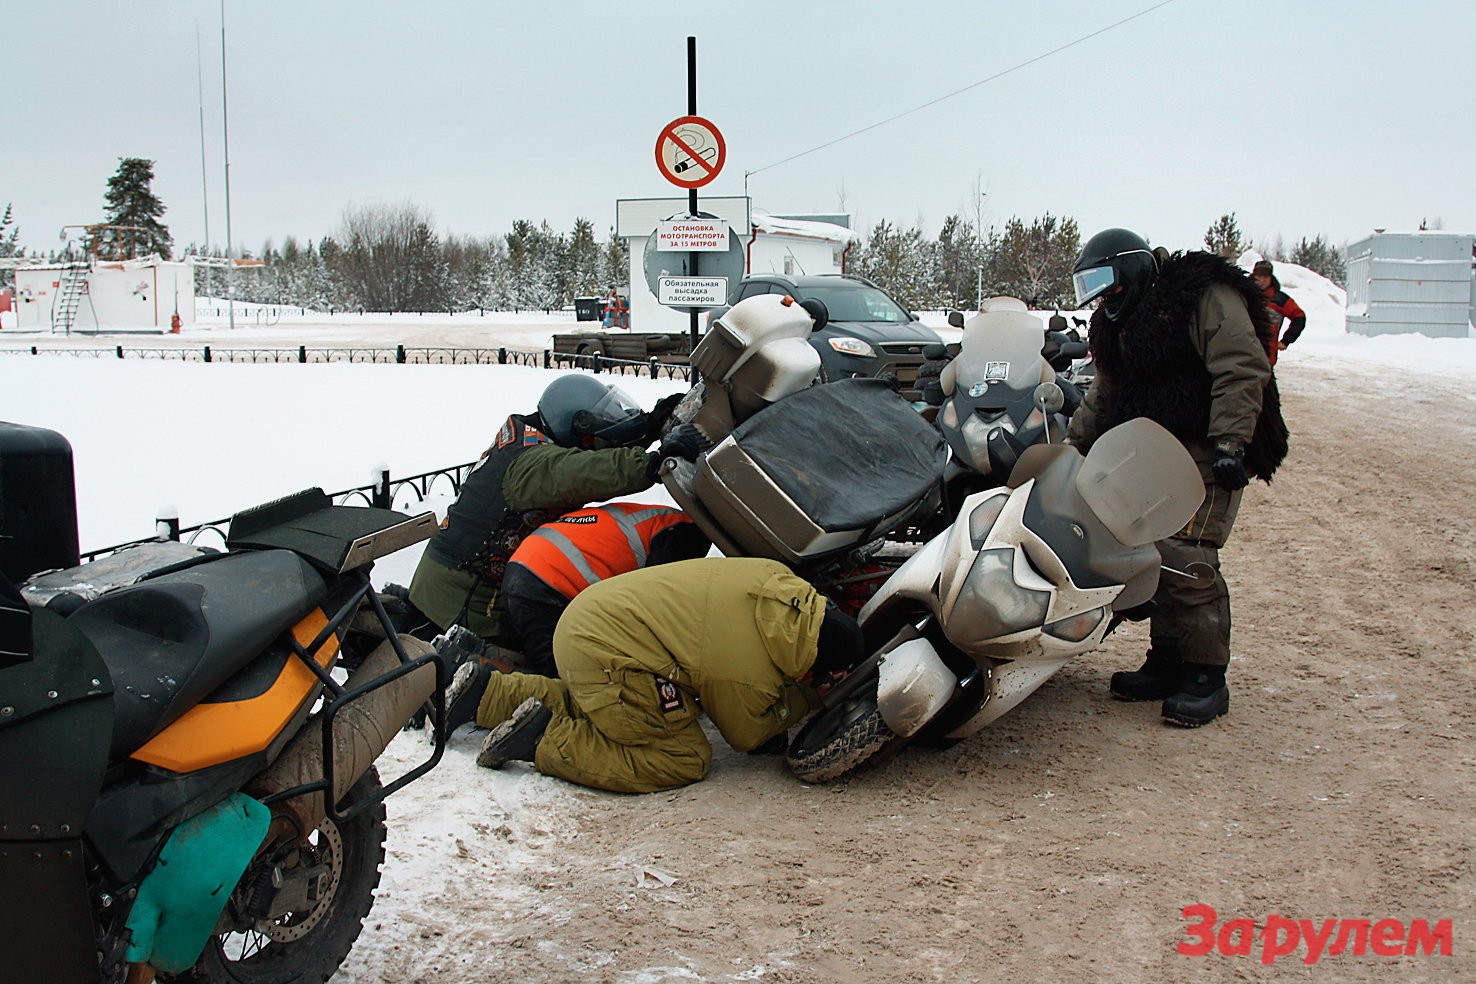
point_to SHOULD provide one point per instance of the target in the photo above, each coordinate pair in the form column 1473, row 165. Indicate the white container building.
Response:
column 1412, row 283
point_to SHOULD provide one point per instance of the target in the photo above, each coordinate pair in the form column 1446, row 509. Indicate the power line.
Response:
column 956, row 92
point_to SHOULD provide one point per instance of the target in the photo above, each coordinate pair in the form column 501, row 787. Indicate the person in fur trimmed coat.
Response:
column 1176, row 338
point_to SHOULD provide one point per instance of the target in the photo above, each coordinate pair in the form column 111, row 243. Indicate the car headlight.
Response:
column 852, row 346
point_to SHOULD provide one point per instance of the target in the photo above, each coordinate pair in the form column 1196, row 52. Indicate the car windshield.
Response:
column 858, row 302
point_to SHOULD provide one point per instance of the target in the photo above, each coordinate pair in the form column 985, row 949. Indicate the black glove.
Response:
column 682, row 441
column 660, row 414
column 1229, row 469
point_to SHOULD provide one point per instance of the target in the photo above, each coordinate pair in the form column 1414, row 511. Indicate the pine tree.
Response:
column 8, row 247
column 1224, row 238
column 1321, row 256
column 583, row 261
column 131, row 203
column 1034, row 262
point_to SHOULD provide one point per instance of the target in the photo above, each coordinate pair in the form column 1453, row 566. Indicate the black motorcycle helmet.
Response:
column 1116, row 265
column 579, row 410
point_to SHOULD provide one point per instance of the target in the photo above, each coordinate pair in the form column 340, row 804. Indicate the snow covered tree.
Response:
column 583, row 273
column 614, row 264
column 897, row 261
column 1224, row 238
column 960, row 257
column 8, row 247
column 1321, row 256
column 131, row 203
column 1034, row 262
column 387, row 258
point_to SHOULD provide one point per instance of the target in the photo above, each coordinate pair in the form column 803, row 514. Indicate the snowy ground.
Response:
column 956, row 866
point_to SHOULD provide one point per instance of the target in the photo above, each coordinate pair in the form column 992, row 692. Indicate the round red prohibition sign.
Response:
column 690, row 152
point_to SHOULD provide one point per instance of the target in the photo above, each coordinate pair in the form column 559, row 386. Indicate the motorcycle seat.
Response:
column 826, row 469
column 170, row 641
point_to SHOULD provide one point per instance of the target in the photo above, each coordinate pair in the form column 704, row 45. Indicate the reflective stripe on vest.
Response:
column 569, row 553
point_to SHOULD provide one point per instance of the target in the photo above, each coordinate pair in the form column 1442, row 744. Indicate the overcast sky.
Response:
column 1303, row 118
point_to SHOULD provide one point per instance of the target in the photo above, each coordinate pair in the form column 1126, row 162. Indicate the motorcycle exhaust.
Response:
column 361, row 731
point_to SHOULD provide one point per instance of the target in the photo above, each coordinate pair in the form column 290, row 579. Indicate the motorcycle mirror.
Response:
column 818, row 311
column 1199, row 574
column 1049, row 397
column 1057, row 322
column 956, row 319
column 935, row 350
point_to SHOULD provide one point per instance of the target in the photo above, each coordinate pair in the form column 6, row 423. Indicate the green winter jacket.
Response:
column 736, row 634
column 546, row 477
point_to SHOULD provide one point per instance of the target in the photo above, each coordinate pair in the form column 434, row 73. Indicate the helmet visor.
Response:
column 610, row 411
column 1090, row 283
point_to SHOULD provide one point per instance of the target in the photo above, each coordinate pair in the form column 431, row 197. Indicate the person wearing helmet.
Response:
column 1177, row 338
column 586, row 443
column 643, row 656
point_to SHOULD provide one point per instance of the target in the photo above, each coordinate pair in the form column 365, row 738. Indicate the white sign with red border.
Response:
column 690, row 152
column 692, row 235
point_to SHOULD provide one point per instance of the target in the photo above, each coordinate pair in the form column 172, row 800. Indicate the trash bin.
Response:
column 587, row 308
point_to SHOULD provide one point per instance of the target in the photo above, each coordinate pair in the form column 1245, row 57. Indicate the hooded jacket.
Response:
column 1190, row 357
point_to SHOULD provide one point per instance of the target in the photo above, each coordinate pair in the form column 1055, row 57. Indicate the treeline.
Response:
column 389, row 258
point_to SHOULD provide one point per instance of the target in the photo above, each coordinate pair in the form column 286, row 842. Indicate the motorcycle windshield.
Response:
column 999, row 361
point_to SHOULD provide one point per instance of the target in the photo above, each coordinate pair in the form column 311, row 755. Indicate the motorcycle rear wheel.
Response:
column 309, row 946
column 842, row 737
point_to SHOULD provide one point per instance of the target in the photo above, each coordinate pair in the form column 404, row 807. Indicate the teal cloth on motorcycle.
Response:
column 181, row 899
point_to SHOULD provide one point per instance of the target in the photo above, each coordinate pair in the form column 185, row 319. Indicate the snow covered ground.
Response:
column 209, row 439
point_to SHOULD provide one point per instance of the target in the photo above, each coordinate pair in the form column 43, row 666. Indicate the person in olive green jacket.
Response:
column 1176, row 338
column 585, row 444
column 642, row 655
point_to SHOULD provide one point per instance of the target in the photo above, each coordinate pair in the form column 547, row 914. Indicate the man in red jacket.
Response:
column 1281, row 306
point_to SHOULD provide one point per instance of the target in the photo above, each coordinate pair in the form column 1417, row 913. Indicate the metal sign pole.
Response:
column 692, row 193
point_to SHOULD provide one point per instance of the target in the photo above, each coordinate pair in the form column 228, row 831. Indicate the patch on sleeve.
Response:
column 669, row 695
column 507, row 435
column 532, row 435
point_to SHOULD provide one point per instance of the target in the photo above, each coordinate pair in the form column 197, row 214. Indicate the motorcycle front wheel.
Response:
column 843, row 735
column 307, row 945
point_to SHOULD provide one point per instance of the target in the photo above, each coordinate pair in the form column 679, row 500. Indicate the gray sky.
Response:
column 1303, row 118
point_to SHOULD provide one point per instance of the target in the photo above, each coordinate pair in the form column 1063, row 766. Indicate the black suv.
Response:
column 869, row 332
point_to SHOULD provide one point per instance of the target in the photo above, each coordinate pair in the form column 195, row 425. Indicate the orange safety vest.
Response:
column 589, row 545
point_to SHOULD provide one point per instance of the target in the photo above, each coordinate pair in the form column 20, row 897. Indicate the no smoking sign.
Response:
column 690, row 152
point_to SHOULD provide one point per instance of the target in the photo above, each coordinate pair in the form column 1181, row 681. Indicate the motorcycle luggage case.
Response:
column 827, row 469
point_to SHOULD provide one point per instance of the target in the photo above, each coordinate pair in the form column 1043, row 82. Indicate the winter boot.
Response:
column 464, row 693
column 1156, row 679
column 517, row 738
column 1201, row 696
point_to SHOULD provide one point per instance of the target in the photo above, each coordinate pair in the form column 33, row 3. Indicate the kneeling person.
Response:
column 642, row 655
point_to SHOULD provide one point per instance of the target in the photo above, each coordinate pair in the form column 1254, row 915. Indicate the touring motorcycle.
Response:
column 1004, row 391
column 1029, row 575
column 187, row 747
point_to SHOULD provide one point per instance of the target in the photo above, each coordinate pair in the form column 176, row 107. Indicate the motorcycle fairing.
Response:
column 219, row 730
column 170, row 641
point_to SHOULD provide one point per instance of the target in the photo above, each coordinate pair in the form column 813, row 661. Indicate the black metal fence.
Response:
column 400, row 355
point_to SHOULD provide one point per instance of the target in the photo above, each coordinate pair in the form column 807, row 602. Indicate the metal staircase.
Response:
column 71, row 288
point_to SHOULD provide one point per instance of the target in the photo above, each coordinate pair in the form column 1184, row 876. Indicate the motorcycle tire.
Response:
column 840, row 738
column 309, row 946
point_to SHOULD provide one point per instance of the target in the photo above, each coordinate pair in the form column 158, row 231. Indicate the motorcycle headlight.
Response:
column 983, row 518
column 992, row 605
column 852, row 346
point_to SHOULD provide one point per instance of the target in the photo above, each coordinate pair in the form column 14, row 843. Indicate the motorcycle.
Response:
column 810, row 474
column 1005, row 390
column 187, row 747
column 1030, row 576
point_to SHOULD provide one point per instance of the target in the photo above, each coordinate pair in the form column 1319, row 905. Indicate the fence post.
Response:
column 502, row 357
column 120, row 351
column 207, row 353
column 302, row 353
column 34, row 350
column 596, row 361
column 400, row 354
column 547, row 359
column 382, row 488
column 653, row 367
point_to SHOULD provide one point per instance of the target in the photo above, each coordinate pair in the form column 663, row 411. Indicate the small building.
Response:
column 1412, row 283
column 791, row 244
column 101, row 295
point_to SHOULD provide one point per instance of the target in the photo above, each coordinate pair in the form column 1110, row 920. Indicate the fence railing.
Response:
column 382, row 493
column 400, row 354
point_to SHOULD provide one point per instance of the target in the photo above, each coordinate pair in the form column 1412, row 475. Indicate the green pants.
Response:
column 613, row 743
column 1191, row 618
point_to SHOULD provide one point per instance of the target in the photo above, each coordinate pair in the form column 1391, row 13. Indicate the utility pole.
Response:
column 226, row 132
